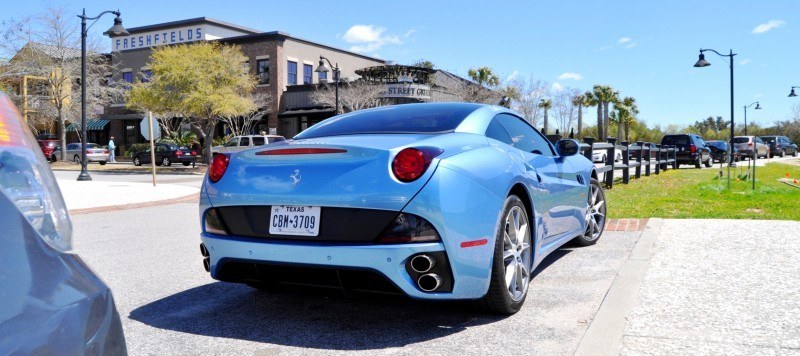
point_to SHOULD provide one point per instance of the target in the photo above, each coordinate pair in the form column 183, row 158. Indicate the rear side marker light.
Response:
column 299, row 151
column 474, row 243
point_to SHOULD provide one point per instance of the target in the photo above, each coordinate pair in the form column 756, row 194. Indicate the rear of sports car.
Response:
column 389, row 213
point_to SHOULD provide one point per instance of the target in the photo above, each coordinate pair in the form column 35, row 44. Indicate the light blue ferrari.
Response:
column 435, row 201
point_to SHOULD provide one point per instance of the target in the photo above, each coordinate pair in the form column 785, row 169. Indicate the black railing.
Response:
column 640, row 156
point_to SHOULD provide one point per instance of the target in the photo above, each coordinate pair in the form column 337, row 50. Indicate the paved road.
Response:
column 169, row 304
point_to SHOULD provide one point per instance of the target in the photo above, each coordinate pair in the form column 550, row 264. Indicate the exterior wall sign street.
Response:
column 416, row 91
column 157, row 38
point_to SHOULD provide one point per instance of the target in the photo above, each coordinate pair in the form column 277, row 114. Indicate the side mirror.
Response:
column 568, row 147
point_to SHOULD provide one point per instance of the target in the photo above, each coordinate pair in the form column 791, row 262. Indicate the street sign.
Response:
column 145, row 130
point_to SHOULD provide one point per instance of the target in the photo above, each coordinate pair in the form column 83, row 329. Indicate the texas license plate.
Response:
column 294, row 220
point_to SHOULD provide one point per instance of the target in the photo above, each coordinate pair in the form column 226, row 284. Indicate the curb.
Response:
column 604, row 334
column 191, row 198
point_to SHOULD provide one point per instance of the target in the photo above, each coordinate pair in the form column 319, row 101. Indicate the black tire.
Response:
column 76, row 159
column 709, row 162
column 53, row 158
column 499, row 298
column 783, row 153
column 102, row 163
column 794, row 154
column 137, row 161
column 597, row 212
column 165, row 162
column 698, row 162
column 187, row 163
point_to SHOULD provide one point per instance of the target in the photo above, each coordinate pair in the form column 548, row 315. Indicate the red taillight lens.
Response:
column 219, row 163
column 105, row 151
column 299, row 151
column 194, row 153
column 749, row 144
column 692, row 148
column 179, row 153
column 411, row 163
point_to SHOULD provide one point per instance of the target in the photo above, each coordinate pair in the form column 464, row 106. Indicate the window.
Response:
column 258, row 141
column 233, row 142
column 146, row 74
column 262, row 66
column 497, row 132
column 127, row 77
column 323, row 76
column 525, row 137
column 291, row 73
column 307, row 74
column 245, row 141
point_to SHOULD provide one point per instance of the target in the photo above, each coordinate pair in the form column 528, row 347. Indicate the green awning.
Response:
column 91, row 124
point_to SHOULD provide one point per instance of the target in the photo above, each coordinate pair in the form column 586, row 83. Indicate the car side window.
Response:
column 245, row 141
column 233, row 142
column 497, row 132
column 524, row 136
column 258, row 140
column 758, row 140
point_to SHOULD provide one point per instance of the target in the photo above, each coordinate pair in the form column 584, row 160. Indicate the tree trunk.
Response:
column 580, row 121
column 605, row 121
column 62, row 136
column 619, row 130
column 599, row 121
column 208, row 132
column 627, row 132
column 545, row 122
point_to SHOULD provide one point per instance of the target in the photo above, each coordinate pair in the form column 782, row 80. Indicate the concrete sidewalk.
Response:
column 118, row 194
column 727, row 287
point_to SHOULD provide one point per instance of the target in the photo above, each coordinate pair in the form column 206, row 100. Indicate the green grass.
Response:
column 701, row 194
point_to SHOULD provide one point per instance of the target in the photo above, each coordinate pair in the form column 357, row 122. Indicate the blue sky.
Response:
column 644, row 49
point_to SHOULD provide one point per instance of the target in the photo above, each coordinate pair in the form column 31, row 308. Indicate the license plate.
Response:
column 294, row 220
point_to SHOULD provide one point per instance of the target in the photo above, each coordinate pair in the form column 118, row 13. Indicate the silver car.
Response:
column 747, row 145
column 94, row 153
column 51, row 303
column 239, row 143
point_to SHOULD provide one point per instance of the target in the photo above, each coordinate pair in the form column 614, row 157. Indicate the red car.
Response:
column 48, row 143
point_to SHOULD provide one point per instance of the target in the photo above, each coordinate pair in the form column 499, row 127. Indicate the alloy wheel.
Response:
column 595, row 214
column 517, row 253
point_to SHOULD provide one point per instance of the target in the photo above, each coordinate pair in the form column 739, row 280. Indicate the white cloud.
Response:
column 624, row 40
column 370, row 38
column 604, row 48
column 557, row 86
column 758, row 96
column 568, row 75
column 631, row 45
column 765, row 27
column 512, row 76
column 744, row 61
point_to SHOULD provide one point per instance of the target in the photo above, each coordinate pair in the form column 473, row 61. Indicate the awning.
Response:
column 306, row 112
column 91, row 124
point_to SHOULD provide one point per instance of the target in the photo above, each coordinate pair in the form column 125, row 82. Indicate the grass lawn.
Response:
column 701, row 194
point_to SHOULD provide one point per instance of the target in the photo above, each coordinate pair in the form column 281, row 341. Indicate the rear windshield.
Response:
column 410, row 118
column 717, row 144
column 275, row 139
column 768, row 138
column 741, row 140
column 675, row 140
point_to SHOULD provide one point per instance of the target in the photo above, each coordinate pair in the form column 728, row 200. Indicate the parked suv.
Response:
column 780, row 146
column 690, row 149
column 750, row 146
column 166, row 154
column 48, row 143
column 239, row 143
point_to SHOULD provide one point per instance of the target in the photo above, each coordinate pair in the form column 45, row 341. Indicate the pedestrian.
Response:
column 111, row 147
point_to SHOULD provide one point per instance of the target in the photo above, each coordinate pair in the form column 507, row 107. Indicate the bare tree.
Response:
column 46, row 50
column 564, row 113
column 353, row 96
column 531, row 92
column 242, row 125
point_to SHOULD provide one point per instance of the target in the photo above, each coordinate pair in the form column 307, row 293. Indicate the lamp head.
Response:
column 758, row 106
column 322, row 67
column 702, row 62
column 117, row 29
column 792, row 94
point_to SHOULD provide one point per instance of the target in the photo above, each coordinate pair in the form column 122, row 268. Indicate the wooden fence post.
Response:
column 626, row 174
column 658, row 159
column 588, row 154
column 611, row 152
column 639, row 159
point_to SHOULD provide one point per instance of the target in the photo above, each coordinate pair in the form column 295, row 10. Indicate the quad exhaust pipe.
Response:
column 422, row 263
column 206, row 257
column 429, row 282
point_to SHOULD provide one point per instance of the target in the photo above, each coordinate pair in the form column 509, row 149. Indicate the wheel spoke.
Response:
column 507, row 253
column 597, row 206
column 511, row 276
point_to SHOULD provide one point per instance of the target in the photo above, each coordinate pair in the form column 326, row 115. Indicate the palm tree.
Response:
column 591, row 99
column 578, row 100
column 609, row 96
column 545, row 104
column 484, row 76
column 633, row 110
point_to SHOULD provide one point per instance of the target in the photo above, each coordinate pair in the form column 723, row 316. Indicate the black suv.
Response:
column 780, row 146
column 691, row 149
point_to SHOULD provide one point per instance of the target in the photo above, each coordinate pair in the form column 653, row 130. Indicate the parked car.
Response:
column 166, row 154
column 719, row 151
column 52, row 302
column 745, row 145
column 601, row 155
column 239, row 143
column 48, row 143
column 780, row 146
column 94, row 153
column 432, row 200
column 690, row 149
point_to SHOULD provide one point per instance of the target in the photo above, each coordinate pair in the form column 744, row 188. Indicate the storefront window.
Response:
column 262, row 66
column 146, row 74
column 292, row 73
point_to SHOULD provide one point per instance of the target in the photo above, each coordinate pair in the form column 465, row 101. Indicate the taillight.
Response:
column 749, row 144
column 219, row 163
column 194, row 153
column 406, row 228
column 692, row 148
column 299, row 151
column 179, row 153
column 411, row 163
column 105, row 151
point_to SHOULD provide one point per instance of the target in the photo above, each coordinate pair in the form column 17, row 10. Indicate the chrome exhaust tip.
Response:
column 422, row 263
column 203, row 250
column 207, row 264
column 429, row 282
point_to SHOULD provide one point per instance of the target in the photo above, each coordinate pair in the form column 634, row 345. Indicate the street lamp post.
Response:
column 758, row 107
column 336, row 72
column 792, row 94
column 701, row 62
column 116, row 30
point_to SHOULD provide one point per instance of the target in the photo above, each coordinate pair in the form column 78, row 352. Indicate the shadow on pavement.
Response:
column 312, row 317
